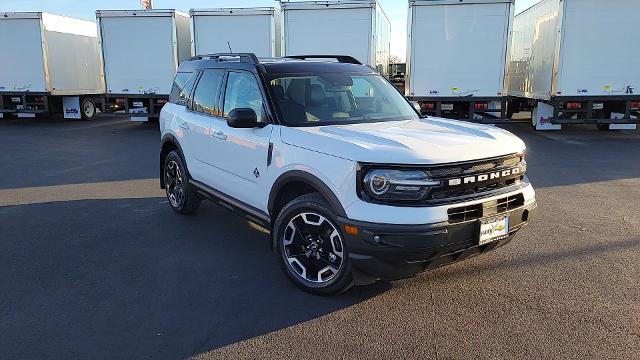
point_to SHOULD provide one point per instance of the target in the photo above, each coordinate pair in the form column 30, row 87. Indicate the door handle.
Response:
column 220, row 135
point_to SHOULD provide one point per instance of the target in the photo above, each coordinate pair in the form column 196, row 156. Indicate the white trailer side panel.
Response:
column 458, row 49
column 72, row 55
column 600, row 53
column 245, row 30
column 382, row 46
column 21, row 58
column 339, row 31
column 140, row 53
column 533, row 50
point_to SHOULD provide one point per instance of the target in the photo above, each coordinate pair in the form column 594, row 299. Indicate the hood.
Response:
column 425, row 141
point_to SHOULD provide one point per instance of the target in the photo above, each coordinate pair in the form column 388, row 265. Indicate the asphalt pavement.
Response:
column 94, row 264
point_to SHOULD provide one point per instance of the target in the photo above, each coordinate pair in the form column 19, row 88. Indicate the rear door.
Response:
column 203, row 109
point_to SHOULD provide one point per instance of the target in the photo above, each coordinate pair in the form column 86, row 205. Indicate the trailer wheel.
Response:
column 88, row 108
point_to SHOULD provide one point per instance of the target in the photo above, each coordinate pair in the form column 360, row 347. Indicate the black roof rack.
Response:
column 243, row 57
column 341, row 58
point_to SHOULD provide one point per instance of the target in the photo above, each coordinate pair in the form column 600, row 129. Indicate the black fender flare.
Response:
column 169, row 138
column 309, row 179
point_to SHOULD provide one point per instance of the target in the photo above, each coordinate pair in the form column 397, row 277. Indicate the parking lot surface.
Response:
column 95, row 264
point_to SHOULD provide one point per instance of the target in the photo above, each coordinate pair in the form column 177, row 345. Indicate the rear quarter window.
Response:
column 181, row 89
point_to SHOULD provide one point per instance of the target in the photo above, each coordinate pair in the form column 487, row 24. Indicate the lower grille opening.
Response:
column 477, row 211
column 464, row 213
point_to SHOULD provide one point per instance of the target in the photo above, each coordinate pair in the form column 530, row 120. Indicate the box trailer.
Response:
column 48, row 65
column 242, row 30
column 141, row 50
column 576, row 61
column 456, row 57
column 356, row 28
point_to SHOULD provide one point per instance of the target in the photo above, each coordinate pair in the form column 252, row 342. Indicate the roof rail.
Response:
column 243, row 57
column 341, row 58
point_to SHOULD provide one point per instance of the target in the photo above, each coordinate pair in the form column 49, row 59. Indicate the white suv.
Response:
column 352, row 182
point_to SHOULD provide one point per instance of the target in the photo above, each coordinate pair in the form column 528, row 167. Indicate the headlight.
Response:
column 397, row 185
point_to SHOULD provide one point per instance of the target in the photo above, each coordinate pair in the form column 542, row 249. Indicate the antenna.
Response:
column 229, row 44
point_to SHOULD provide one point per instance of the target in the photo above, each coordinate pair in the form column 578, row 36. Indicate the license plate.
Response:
column 16, row 100
column 446, row 107
column 493, row 229
column 138, row 104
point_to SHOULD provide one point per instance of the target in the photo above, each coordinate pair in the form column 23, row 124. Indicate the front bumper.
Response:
column 390, row 251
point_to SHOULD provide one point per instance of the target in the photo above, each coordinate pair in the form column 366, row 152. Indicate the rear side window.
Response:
column 181, row 89
column 205, row 96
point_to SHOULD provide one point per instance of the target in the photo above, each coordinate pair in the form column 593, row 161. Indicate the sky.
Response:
column 396, row 10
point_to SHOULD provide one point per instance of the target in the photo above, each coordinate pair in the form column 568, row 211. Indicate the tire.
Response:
column 180, row 194
column 307, row 227
column 603, row 127
column 88, row 109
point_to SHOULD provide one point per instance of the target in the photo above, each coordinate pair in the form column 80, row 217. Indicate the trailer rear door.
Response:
column 600, row 48
column 341, row 31
column 458, row 49
column 139, row 54
column 215, row 32
column 22, row 66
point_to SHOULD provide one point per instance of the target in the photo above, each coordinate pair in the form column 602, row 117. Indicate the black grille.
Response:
column 474, row 167
column 477, row 211
column 471, row 169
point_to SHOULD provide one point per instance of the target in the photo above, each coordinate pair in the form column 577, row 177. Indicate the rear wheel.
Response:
column 311, row 247
column 88, row 109
column 180, row 193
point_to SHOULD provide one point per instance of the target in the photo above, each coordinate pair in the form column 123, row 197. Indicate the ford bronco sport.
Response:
column 352, row 182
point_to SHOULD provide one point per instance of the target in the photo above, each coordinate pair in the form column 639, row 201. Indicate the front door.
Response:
column 242, row 160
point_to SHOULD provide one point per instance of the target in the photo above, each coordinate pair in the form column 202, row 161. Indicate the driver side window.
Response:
column 243, row 92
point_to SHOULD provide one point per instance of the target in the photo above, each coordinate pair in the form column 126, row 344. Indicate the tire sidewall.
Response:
column 300, row 205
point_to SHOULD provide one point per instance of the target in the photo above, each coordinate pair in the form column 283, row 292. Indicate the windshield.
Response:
column 338, row 98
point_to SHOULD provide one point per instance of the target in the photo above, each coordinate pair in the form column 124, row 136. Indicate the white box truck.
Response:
column 48, row 65
column 577, row 61
column 456, row 57
column 241, row 30
column 355, row 28
column 141, row 51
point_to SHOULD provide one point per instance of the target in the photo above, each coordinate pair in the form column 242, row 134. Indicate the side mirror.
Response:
column 243, row 118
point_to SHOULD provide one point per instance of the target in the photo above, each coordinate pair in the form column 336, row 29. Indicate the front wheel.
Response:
column 311, row 246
